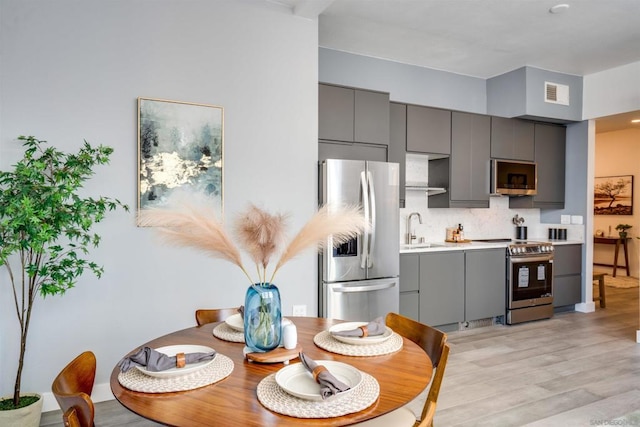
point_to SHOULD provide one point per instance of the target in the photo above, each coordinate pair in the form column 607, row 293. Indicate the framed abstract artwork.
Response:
column 180, row 149
column 613, row 195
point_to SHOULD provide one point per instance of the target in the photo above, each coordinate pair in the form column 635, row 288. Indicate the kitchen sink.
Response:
column 422, row 245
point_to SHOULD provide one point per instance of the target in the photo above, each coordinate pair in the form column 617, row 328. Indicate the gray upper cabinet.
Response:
column 550, row 155
column 470, row 155
column 398, row 142
column 352, row 115
column 428, row 130
column 351, row 151
column 335, row 113
column 512, row 139
column 371, row 123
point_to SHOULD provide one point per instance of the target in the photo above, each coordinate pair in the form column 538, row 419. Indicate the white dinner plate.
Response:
column 346, row 326
column 172, row 350
column 235, row 321
column 298, row 381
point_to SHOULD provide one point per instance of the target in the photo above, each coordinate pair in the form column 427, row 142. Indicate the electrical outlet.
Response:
column 299, row 310
column 565, row 219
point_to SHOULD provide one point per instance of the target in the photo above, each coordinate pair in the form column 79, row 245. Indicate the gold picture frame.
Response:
column 180, row 148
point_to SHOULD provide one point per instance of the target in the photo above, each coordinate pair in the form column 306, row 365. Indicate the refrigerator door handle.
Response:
column 365, row 202
column 366, row 288
column 372, row 236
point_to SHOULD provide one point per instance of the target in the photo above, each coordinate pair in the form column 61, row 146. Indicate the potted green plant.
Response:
column 622, row 230
column 45, row 234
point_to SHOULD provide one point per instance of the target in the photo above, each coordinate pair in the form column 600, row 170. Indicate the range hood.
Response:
column 430, row 191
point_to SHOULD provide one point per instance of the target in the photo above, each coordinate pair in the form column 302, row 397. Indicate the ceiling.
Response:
column 484, row 38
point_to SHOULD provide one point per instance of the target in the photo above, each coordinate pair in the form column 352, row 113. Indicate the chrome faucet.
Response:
column 411, row 236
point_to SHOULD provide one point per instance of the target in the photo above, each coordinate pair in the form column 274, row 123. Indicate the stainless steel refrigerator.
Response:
column 359, row 279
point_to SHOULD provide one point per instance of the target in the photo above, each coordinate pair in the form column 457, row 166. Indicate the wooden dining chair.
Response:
column 211, row 315
column 433, row 342
column 72, row 389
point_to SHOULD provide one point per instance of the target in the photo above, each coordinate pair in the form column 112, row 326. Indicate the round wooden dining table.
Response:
column 233, row 401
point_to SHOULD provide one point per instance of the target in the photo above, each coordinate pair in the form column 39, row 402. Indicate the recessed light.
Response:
column 559, row 8
column 635, row 121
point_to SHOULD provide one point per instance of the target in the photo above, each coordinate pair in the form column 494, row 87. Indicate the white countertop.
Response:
column 446, row 246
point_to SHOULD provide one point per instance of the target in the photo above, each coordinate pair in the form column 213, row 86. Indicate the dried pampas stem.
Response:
column 261, row 235
column 194, row 227
column 342, row 224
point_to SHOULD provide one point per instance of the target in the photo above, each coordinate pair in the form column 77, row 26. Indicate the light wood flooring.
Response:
column 575, row 369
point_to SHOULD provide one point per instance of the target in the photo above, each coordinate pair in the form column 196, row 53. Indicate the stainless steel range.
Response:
column 529, row 281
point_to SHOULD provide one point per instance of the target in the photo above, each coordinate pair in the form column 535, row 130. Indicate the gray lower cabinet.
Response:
column 550, row 147
column 567, row 275
column 441, row 288
column 485, row 284
column 410, row 286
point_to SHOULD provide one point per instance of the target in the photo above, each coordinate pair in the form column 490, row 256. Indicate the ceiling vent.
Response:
column 555, row 93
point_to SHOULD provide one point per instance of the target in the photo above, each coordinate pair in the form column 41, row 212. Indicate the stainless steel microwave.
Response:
column 514, row 178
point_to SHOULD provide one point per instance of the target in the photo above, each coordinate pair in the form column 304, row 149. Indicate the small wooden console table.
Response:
column 615, row 241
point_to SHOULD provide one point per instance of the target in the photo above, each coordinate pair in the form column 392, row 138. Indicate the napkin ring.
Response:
column 181, row 360
column 365, row 331
column 317, row 371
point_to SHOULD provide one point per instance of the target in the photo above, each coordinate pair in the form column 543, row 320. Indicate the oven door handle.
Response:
column 521, row 260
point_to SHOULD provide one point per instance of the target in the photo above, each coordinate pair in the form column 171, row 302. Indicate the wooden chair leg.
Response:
column 603, row 302
column 601, row 289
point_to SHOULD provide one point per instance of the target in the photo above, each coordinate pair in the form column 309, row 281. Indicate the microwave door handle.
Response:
column 365, row 202
column 372, row 213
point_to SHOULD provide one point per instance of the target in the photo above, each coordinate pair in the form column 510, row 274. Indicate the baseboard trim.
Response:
column 586, row 307
column 101, row 393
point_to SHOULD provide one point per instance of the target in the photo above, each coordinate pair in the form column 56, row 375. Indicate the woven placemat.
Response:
column 325, row 341
column 227, row 333
column 272, row 397
column 220, row 368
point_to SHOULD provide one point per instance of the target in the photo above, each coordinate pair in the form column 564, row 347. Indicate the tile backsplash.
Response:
column 492, row 223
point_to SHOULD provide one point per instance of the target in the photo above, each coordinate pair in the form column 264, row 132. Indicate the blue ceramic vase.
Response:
column 262, row 317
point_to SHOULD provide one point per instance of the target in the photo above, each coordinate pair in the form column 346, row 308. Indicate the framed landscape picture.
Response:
column 180, row 148
column 613, row 195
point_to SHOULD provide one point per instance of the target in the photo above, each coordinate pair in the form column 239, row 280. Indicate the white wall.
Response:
column 612, row 91
column 617, row 153
column 72, row 70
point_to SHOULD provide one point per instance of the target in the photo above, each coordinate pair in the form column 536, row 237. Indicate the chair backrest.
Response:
column 433, row 342
column 72, row 389
column 204, row 316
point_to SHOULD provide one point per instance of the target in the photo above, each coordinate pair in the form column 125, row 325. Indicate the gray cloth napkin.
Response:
column 329, row 385
column 375, row 327
column 155, row 361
